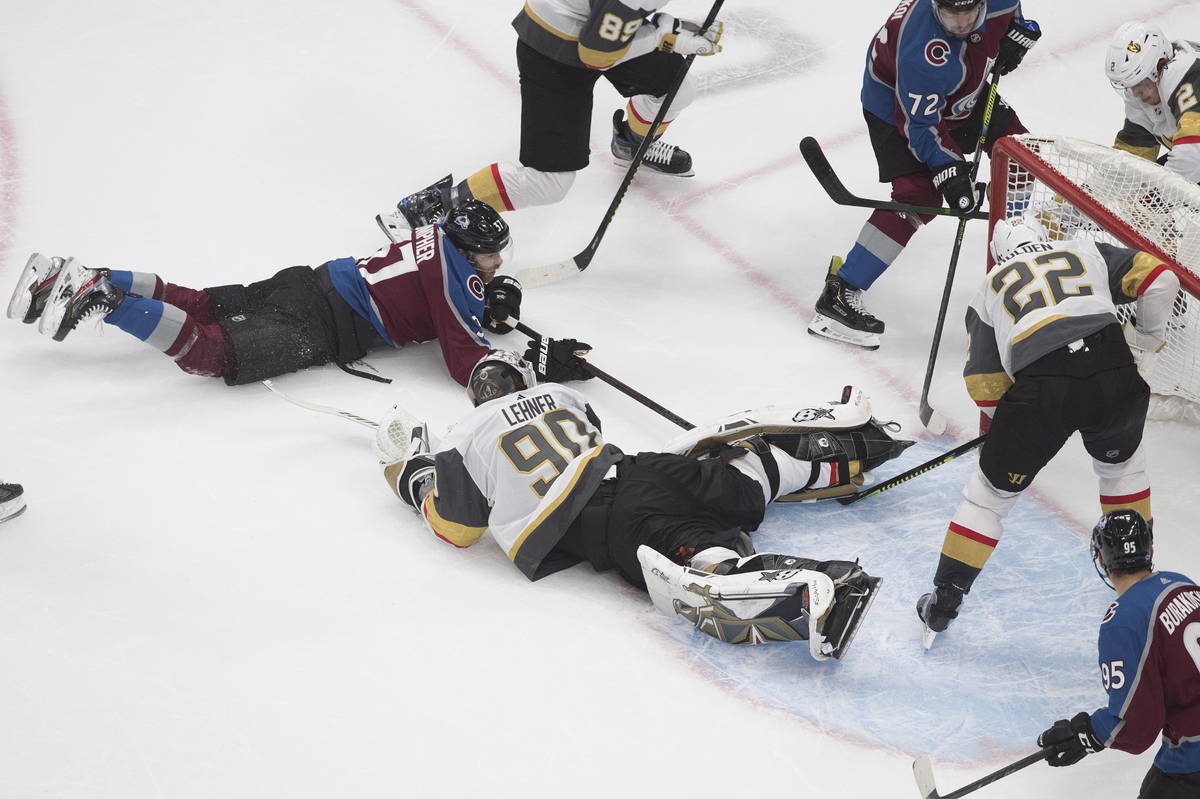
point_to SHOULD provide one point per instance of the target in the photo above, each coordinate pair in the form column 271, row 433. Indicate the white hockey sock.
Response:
column 794, row 474
column 1124, row 485
column 507, row 187
column 641, row 109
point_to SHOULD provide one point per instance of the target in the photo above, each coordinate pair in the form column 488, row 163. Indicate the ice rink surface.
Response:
column 213, row 593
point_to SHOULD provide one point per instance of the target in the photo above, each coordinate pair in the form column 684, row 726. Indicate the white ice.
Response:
column 213, row 594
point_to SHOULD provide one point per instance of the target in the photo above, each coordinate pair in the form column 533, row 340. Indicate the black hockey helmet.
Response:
column 958, row 5
column 1122, row 541
column 498, row 373
column 474, row 226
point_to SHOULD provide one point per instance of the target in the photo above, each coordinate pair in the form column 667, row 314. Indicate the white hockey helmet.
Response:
column 498, row 373
column 1134, row 54
column 1010, row 234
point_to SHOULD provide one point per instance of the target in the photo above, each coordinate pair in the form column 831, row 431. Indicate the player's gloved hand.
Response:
column 1019, row 40
column 954, row 182
column 1145, row 348
column 558, row 360
column 502, row 304
column 685, row 38
column 1068, row 742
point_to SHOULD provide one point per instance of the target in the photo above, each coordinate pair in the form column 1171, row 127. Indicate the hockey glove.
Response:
column 1145, row 348
column 1067, row 742
column 502, row 304
column 685, row 38
column 1019, row 40
column 558, row 360
column 954, row 182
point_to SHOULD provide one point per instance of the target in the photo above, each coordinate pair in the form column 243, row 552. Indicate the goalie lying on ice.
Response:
column 529, row 465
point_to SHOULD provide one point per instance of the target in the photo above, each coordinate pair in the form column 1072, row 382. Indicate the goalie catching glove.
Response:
column 558, row 360
column 402, row 445
column 502, row 304
column 686, row 38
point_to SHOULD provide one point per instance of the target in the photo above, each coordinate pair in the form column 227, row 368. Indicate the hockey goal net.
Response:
column 1078, row 189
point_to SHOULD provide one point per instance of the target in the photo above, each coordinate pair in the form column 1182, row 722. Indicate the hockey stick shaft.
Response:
column 822, row 170
column 926, row 411
column 916, row 471
column 624, row 388
column 554, row 272
column 312, row 406
column 1011, row 768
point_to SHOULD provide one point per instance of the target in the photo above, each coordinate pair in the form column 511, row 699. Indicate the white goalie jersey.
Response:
column 522, row 466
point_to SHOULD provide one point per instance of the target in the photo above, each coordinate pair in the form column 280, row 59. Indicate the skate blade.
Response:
column 859, row 613
column 22, row 297
column 927, row 638
column 824, row 327
column 13, row 514
column 393, row 225
column 56, row 306
column 625, row 162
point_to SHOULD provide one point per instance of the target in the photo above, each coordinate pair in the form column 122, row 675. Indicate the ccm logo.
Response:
column 936, row 52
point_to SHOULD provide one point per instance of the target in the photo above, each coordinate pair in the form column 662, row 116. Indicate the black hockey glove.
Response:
column 502, row 304
column 954, row 182
column 558, row 360
column 1068, row 741
column 1019, row 40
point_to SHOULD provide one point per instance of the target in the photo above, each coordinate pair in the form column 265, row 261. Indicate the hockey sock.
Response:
column 143, row 284
column 887, row 233
column 507, row 187
column 147, row 284
column 974, row 532
column 197, row 349
column 1125, row 484
column 641, row 109
column 793, row 473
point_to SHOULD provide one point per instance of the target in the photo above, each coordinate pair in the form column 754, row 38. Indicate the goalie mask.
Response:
column 1134, row 53
column 497, row 374
column 1009, row 234
column 1122, row 541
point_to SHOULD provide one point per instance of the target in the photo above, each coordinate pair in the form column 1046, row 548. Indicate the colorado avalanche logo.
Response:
column 936, row 52
column 462, row 221
column 1112, row 611
column 475, row 286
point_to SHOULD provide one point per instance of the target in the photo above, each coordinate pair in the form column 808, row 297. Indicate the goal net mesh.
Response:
column 1077, row 189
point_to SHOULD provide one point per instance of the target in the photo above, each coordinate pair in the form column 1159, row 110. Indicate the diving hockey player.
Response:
column 1047, row 357
column 1158, row 80
column 563, row 48
column 439, row 282
column 925, row 79
column 1149, row 665
column 530, row 466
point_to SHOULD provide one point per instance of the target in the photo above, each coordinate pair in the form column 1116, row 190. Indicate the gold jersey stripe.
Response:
column 988, row 387
column 1035, row 328
column 1144, row 266
column 1149, row 153
column 553, row 506
column 547, row 26
column 598, row 59
column 1189, row 125
column 461, row 535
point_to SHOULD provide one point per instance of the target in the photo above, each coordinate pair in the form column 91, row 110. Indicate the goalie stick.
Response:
column 916, row 471
column 625, row 389
column 822, row 170
column 312, row 406
column 934, row 421
column 552, row 273
column 923, row 772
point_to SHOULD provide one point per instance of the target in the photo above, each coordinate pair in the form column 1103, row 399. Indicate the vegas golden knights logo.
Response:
column 1016, row 479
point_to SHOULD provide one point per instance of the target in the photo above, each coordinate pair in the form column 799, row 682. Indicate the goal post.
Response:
column 1078, row 189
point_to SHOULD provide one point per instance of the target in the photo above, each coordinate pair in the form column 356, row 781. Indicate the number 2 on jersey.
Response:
column 1024, row 287
column 530, row 446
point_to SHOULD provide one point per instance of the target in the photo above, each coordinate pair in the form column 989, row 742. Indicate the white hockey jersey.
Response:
column 1049, row 294
column 590, row 33
column 522, row 466
column 1175, row 121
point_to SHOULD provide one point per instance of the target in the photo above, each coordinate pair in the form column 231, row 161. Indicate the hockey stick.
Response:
column 934, row 421
column 552, row 273
column 625, row 389
column 822, row 170
column 916, row 471
column 312, row 406
column 923, row 772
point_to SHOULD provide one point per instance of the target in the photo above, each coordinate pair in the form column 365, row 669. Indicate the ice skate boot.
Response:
column 427, row 206
column 841, row 315
column 33, row 287
column 77, row 293
column 12, row 501
column 937, row 609
column 661, row 157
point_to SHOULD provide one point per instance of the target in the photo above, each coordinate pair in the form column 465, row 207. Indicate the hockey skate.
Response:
column 12, row 501
column 666, row 159
column 77, row 293
column 766, row 598
column 841, row 315
column 428, row 206
column 937, row 609
column 33, row 287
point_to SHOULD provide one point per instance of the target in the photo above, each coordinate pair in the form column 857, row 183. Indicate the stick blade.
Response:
column 548, row 274
column 923, row 772
column 934, row 421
